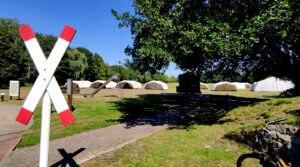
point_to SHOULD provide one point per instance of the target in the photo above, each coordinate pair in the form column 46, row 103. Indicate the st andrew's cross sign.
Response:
column 46, row 82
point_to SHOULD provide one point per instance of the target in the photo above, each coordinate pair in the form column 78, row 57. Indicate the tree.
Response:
column 121, row 71
column 230, row 38
column 147, row 77
column 98, row 68
column 90, row 58
column 77, row 63
column 13, row 56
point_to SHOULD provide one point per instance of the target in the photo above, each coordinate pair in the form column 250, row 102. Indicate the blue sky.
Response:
column 97, row 29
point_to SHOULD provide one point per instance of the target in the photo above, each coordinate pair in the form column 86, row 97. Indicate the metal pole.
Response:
column 45, row 131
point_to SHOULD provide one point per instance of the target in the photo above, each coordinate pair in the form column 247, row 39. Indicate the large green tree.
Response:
column 97, row 71
column 226, row 37
column 13, row 56
column 89, row 56
column 77, row 64
column 120, row 71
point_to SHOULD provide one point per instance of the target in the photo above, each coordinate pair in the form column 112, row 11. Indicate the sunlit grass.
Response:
column 201, row 144
column 104, row 108
column 88, row 114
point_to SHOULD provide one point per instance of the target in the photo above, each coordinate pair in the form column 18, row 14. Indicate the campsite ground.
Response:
column 198, row 141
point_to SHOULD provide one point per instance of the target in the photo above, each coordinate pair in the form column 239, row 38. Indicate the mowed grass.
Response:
column 203, row 141
column 102, row 110
column 201, row 144
column 88, row 115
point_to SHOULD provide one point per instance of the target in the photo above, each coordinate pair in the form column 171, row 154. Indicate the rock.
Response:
column 284, row 138
column 271, row 127
column 281, row 129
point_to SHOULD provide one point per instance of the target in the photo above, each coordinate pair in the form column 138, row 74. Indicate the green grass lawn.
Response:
column 200, row 141
column 88, row 115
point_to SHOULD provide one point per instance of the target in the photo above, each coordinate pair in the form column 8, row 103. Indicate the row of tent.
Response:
column 271, row 84
column 125, row 84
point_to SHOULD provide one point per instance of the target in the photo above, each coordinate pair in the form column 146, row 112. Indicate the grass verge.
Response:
column 88, row 114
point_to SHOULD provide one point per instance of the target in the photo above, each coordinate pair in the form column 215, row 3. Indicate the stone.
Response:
column 271, row 127
column 281, row 129
column 284, row 138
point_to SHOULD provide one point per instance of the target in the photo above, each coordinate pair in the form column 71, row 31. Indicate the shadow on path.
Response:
column 67, row 158
column 179, row 110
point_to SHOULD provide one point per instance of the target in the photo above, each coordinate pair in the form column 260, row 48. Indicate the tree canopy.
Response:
column 97, row 71
column 77, row 63
column 12, row 53
column 229, row 38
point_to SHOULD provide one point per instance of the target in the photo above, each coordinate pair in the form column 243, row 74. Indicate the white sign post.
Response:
column 46, row 85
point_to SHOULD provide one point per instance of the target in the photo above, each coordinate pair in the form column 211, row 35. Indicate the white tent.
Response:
column 83, row 84
column 242, row 85
column 98, row 83
column 125, row 84
column 158, row 85
column 203, row 86
column 272, row 84
column 223, row 86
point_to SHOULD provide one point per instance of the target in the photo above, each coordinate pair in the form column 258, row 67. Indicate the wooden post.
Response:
column 2, row 96
column 70, row 93
column 19, row 93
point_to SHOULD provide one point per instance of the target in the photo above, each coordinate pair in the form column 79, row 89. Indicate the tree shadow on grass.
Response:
column 179, row 110
column 296, row 113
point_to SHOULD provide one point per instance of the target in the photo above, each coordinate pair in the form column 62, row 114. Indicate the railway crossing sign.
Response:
column 46, row 85
column 46, row 82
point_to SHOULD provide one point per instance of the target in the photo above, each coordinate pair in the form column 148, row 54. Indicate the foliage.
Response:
column 90, row 59
column 12, row 53
column 97, row 70
column 78, row 64
column 230, row 38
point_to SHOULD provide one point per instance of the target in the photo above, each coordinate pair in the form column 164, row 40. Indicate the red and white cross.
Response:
column 46, row 81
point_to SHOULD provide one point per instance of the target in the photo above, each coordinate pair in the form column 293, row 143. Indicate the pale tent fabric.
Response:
column 223, row 86
column 203, row 86
column 158, row 85
column 111, row 85
column 83, row 84
column 75, row 85
column 125, row 84
column 98, row 83
column 248, row 86
column 272, row 84
column 242, row 85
